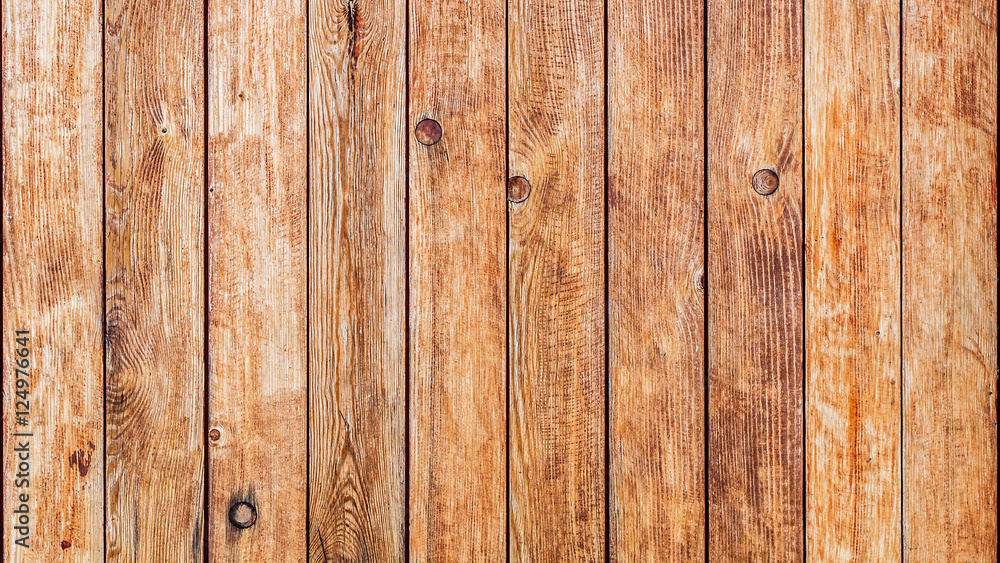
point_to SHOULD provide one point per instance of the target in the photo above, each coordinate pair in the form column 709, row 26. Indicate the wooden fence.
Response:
column 498, row 280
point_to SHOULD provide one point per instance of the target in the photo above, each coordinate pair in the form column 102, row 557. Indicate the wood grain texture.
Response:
column 52, row 281
column 357, row 269
column 755, row 282
column 852, row 281
column 950, row 280
column 556, row 282
column 656, row 310
column 257, row 284
column 154, row 246
column 457, row 297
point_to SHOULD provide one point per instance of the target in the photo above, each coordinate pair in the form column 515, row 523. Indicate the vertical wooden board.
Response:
column 950, row 280
column 755, row 282
column 556, row 281
column 655, row 280
column 456, row 280
column 257, row 278
column 852, row 280
column 52, row 282
column 357, row 277
column 154, row 194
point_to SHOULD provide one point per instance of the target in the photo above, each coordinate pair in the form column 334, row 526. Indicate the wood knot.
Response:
column 765, row 182
column 242, row 515
column 428, row 132
column 518, row 189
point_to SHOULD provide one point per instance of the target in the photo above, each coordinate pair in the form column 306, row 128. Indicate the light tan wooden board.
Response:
column 950, row 280
column 357, row 277
column 852, row 170
column 257, row 283
column 154, row 283
column 457, row 407
column 755, row 255
column 52, row 281
column 556, row 282
column 656, row 309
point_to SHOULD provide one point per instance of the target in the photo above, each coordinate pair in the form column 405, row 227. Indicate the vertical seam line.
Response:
column 104, row 288
column 803, row 335
column 406, row 290
column 308, row 292
column 902, row 397
column 607, row 304
column 206, row 296
column 706, row 395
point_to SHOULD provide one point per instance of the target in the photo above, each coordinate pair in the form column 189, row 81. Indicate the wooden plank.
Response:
column 556, row 281
column 458, row 343
column 852, row 280
column 154, row 194
column 655, row 280
column 357, row 269
column 53, row 480
column 755, row 339
column 950, row 280
column 257, row 279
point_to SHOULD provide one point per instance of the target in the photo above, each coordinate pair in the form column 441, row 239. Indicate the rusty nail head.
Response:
column 765, row 182
column 518, row 189
column 242, row 515
column 428, row 132
column 214, row 434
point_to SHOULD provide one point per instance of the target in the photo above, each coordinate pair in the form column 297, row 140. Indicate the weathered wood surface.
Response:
column 52, row 280
column 950, row 280
column 458, row 342
column 656, row 309
column 357, row 277
column 755, row 337
column 154, row 283
column 852, row 280
column 556, row 282
column 400, row 338
column 257, row 278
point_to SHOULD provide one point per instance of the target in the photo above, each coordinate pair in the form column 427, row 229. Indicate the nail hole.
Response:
column 428, row 132
column 164, row 130
column 242, row 515
column 518, row 189
column 765, row 182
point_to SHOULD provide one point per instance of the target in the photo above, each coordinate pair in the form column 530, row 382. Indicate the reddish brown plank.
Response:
column 154, row 246
column 52, row 283
column 950, row 280
column 357, row 277
column 755, row 338
column 257, row 278
column 655, row 280
column 457, row 267
column 853, row 442
column 556, row 281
